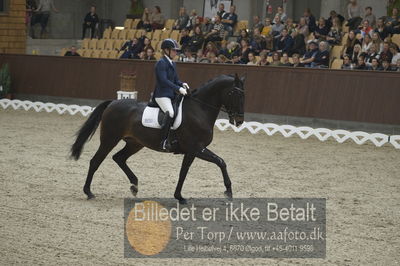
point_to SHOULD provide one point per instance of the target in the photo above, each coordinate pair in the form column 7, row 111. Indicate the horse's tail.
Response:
column 88, row 129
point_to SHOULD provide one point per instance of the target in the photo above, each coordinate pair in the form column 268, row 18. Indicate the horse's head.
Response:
column 233, row 101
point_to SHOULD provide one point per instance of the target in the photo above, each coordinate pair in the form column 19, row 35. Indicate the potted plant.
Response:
column 5, row 82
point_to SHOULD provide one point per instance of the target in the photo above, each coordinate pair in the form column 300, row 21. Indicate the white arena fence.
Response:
column 270, row 129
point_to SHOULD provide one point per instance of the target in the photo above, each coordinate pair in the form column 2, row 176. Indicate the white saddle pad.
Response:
column 150, row 117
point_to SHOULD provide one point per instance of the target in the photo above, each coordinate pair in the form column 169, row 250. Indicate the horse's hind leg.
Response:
column 121, row 157
column 98, row 158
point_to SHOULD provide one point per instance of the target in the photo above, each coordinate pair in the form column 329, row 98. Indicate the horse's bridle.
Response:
column 224, row 108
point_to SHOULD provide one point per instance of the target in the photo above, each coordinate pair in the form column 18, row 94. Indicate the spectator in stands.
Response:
column 394, row 17
column 361, row 64
column 269, row 43
column 142, row 55
column 397, row 68
column 212, row 57
column 365, row 28
column 210, row 47
column 285, row 60
column 373, row 52
column 233, row 50
column 334, row 36
column 72, row 52
column 277, row 27
column 355, row 14
column 332, row 16
column 386, row 54
column 197, row 41
column 145, row 21
column 207, row 26
column 182, row 20
column 146, row 44
column 197, row 23
column 386, row 66
column 252, row 60
column 267, row 29
column 217, row 33
column 185, row 39
column 308, row 57
column 376, row 39
column 30, row 8
column 369, row 16
column 276, row 59
column 223, row 48
column 263, row 59
column 257, row 24
column 374, row 65
column 229, row 20
column 157, row 19
column 244, row 51
column 188, row 56
column 299, row 44
column 285, row 43
column 321, row 58
column 194, row 20
column 322, row 30
column 356, row 53
column 281, row 14
column 367, row 43
column 41, row 15
column 290, row 26
column 243, row 35
column 199, row 56
column 310, row 19
column 258, row 42
column 149, row 54
column 302, row 28
column 91, row 21
column 221, row 10
column 347, row 64
column 350, row 42
column 296, row 61
column 382, row 29
column 394, row 49
column 131, row 49
column 222, row 59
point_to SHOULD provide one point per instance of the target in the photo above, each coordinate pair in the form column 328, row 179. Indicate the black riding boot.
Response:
column 165, row 129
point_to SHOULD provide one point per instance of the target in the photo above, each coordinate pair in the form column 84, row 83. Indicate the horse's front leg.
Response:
column 209, row 156
column 186, row 163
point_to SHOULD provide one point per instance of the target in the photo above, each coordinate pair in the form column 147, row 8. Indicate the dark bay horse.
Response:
column 122, row 120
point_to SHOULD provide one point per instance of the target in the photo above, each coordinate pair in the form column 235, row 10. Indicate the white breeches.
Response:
column 165, row 105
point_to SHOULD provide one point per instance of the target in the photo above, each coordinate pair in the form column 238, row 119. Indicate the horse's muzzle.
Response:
column 236, row 120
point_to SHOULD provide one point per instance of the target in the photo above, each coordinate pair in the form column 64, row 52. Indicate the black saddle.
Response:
column 161, row 114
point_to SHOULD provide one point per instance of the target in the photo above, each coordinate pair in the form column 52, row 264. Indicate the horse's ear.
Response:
column 243, row 78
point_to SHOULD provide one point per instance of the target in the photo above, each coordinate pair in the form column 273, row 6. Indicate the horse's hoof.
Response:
column 228, row 194
column 134, row 190
column 90, row 196
column 183, row 201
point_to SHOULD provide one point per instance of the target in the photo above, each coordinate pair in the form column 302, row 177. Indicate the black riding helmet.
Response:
column 170, row 44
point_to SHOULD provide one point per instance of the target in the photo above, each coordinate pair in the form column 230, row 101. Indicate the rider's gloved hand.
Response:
column 182, row 91
column 186, row 86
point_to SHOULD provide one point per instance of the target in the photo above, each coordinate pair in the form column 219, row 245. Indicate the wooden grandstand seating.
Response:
column 311, row 37
column 115, row 34
column 149, row 35
column 107, row 33
column 128, row 24
column 96, row 54
column 158, row 55
column 135, row 23
column 337, row 64
column 169, row 24
column 119, row 43
column 175, row 35
column 85, row 43
column 154, row 44
column 336, row 51
column 396, row 39
column 109, row 45
column 80, row 51
column 269, row 59
column 122, row 35
column 93, row 44
column 165, row 34
column 63, row 51
column 345, row 28
column 241, row 25
column 113, row 54
column 87, row 53
column 120, row 54
column 101, row 44
column 104, row 54
column 131, row 34
column 158, row 47
column 139, row 33
column 157, row 35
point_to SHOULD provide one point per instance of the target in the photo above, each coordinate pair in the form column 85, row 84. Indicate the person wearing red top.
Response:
column 365, row 28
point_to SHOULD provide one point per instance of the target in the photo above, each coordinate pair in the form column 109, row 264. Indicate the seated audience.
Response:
column 193, row 21
column 367, row 43
column 290, row 26
column 296, row 61
column 221, row 10
column 382, row 29
column 131, row 49
column 197, row 40
column 252, row 60
column 277, row 27
column 229, row 20
column 355, row 13
column 72, row 52
column 285, row 43
column 365, row 28
column 244, row 51
column 334, row 36
column 182, row 20
column 185, row 39
column 276, row 59
column 285, row 60
column 280, row 14
column 385, row 54
column 332, row 16
column 372, row 53
column 217, row 33
column 321, row 30
column 369, row 16
column 386, row 66
column 309, row 56
column 157, row 19
column 263, row 59
column 258, row 42
column 257, row 24
column 310, row 19
column 394, row 49
column 267, row 29
column 207, row 26
column 210, row 47
column 356, row 53
column 149, row 54
column 145, row 21
column 321, row 58
column 350, row 42
column 188, row 56
column 243, row 35
column 361, row 64
column 347, row 64
column 374, row 65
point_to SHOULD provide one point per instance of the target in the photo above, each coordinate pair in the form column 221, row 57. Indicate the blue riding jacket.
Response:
column 167, row 81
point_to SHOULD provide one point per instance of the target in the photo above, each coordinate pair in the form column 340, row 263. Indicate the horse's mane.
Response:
column 212, row 82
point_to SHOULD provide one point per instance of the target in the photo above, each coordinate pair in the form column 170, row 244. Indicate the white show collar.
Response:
column 169, row 60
